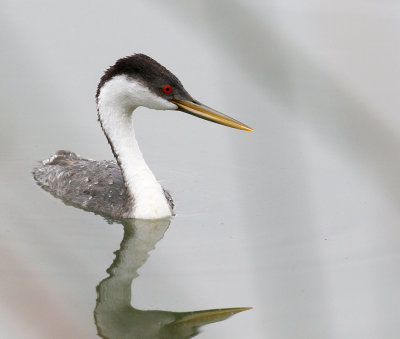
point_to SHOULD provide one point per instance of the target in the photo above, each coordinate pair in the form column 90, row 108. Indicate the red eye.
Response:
column 167, row 89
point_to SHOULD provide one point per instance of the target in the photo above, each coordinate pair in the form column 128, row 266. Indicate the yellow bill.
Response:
column 204, row 112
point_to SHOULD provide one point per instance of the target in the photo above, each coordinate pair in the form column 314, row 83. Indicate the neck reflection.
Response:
column 114, row 315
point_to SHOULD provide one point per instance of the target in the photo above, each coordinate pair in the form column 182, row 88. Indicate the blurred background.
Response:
column 299, row 220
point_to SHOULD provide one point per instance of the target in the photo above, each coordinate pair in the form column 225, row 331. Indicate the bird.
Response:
column 124, row 187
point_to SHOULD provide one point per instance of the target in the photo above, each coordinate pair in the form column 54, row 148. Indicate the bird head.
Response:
column 138, row 80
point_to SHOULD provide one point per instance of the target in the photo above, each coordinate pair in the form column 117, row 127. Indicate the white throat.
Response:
column 117, row 99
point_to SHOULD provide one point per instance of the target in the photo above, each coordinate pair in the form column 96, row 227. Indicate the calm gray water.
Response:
column 299, row 220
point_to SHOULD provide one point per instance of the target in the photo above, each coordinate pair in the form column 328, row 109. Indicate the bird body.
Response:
column 126, row 188
column 96, row 186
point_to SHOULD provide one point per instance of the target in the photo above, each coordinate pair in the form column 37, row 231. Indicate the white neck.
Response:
column 117, row 100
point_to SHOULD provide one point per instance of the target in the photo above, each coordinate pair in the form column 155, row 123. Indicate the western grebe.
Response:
column 126, row 188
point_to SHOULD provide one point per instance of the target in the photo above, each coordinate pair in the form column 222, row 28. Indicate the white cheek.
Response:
column 144, row 97
column 123, row 91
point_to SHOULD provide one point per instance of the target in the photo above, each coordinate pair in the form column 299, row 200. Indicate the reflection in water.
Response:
column 114, row 315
